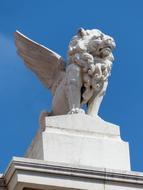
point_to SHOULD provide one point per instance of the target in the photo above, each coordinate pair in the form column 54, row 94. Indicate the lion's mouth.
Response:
column 108, row 48
column 105, row 51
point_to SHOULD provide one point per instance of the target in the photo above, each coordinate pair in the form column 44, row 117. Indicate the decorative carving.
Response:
column 83, row 80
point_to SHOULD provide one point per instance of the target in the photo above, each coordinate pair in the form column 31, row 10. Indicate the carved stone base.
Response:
column 80, row 140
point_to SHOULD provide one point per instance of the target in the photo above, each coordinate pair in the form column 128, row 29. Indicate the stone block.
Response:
column 80, row 140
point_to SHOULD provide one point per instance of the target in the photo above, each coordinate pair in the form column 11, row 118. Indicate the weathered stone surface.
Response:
column 80, row 140
column 36, row 174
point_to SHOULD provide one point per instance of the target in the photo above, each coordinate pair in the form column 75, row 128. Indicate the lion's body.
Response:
column 88, row 70
column 85, row 78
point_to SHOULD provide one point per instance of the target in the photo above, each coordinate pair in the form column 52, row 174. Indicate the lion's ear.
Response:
column 81, row 32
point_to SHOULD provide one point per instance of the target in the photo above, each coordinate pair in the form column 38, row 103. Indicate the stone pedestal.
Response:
column 80, row 140
column 72, row 152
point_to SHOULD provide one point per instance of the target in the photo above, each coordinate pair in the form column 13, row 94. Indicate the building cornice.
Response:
column 25, row 167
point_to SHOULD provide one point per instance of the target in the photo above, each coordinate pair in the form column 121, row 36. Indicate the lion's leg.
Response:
column 73, row 87
column 94, row 106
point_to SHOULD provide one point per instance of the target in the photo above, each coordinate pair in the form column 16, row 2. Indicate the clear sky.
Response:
column 53, row 23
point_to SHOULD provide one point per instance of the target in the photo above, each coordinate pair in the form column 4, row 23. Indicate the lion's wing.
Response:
column 46, row 64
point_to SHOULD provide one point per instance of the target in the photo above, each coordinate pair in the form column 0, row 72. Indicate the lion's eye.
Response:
column 98, row 38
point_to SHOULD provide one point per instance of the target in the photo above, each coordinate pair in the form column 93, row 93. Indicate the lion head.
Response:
column 93, row 42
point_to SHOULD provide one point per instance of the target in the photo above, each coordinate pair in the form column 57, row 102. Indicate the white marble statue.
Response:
column 82, row 80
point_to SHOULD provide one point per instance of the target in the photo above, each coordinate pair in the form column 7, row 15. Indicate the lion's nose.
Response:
column 110, row 42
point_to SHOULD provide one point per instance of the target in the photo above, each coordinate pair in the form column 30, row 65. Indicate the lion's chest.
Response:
column 93, row 81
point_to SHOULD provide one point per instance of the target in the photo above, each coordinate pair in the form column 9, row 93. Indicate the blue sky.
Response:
column 53, row 23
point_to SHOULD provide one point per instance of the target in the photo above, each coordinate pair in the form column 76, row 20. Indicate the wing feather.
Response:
column 45, row 63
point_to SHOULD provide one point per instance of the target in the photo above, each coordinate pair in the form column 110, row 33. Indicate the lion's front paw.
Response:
column 76, row 110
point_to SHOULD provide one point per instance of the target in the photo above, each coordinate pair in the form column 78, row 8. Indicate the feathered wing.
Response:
column 46, row 64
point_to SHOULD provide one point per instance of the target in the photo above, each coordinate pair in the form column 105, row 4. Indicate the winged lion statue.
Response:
column 83, row 79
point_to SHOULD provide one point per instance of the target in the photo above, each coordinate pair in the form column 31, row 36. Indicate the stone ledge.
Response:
column 31, row 173
column 2, row 182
